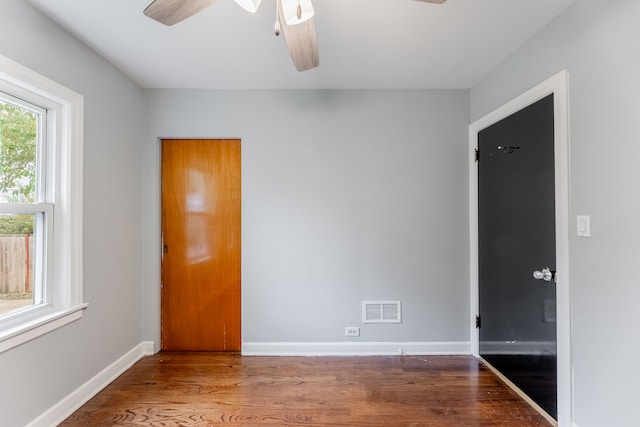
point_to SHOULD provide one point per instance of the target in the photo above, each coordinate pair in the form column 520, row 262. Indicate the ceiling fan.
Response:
column 294, row 18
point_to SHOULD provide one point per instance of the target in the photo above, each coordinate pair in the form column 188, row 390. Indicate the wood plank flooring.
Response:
column 208, row 389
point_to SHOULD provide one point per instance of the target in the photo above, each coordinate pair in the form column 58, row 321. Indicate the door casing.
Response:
column 558, row 86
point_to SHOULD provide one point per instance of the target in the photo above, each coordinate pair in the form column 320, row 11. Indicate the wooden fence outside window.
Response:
column 16, row 264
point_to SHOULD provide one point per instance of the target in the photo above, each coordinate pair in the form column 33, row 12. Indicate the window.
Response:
column 25, row 210
column 40, row 205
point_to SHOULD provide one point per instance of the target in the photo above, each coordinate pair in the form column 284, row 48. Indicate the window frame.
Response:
column 64, row 131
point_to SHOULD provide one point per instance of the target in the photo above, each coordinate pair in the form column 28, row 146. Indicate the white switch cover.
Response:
column 584, row 225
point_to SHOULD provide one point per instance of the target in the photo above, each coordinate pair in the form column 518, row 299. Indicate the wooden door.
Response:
column 201, row 245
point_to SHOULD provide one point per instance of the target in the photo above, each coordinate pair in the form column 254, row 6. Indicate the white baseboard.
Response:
column 518, row 347
column 67, row 406
column 354, row 348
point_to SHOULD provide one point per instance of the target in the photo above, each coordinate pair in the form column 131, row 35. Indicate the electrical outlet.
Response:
column 352, row 331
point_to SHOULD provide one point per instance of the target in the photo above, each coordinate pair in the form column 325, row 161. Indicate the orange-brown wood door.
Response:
column 201, row 245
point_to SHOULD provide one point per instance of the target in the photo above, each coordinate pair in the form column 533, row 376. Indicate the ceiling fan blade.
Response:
column 169, row 12
column 433, row 1
column 301, row 41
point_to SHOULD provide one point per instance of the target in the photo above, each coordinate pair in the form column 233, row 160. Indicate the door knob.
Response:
column 546, row 274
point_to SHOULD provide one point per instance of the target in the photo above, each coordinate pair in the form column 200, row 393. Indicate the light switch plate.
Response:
column 583, row 224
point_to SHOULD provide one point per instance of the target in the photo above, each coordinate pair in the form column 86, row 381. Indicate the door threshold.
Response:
column 519, row 392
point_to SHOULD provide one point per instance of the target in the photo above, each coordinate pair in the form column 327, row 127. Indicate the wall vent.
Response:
column 381, row 312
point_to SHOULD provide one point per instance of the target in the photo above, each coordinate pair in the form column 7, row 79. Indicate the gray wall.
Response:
column 38, row 374
column 597, row 42
column 347, row 196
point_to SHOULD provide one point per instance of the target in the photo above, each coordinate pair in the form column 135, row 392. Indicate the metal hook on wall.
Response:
column 507, row 149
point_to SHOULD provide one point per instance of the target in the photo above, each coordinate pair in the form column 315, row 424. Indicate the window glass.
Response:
column 17, row 274
column 21, row 279
column 18, row 153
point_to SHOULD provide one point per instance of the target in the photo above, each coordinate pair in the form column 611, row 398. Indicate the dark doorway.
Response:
column 516, row 237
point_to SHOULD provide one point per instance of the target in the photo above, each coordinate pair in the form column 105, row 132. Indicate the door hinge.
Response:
column 476, row 155
column 478, row 321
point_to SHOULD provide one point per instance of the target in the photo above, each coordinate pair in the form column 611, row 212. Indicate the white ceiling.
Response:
column 364, row 44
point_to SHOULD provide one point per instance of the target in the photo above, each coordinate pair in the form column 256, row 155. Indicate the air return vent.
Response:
column 381, row 312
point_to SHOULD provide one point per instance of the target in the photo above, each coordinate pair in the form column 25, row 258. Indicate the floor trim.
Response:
column 355, row 348
column 67, row 406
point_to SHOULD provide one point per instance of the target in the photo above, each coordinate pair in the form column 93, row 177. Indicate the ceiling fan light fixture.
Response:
column 297, row 11
column 249, row 5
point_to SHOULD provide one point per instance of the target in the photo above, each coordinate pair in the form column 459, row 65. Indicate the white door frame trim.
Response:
column 558, row 85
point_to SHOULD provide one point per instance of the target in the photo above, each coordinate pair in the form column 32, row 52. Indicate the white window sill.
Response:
column 30, row 330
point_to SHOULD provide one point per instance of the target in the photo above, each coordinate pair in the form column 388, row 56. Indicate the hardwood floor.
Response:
column 207, row 389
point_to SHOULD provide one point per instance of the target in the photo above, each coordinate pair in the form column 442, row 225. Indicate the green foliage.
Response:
column 18, row 149
column 18, row 146
column 16, row 224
